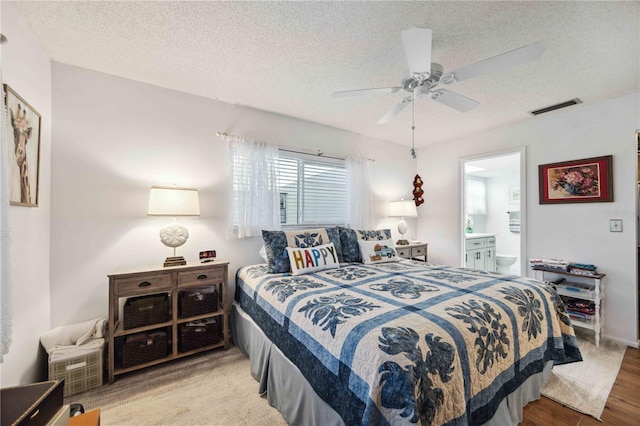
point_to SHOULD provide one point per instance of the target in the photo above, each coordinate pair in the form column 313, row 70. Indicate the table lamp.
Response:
column 402, row 209
column 172, row 201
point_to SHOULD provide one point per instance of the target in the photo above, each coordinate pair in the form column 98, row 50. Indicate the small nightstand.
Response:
column 413, row 250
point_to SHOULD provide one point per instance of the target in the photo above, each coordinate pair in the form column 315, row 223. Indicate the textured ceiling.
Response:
column 288, row 57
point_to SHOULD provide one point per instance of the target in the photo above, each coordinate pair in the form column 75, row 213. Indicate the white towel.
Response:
column 86, row 335
column 72, row 351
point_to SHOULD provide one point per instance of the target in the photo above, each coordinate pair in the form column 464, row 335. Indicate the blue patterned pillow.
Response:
column 349, row 241
column 334, row 237
column 276, row 243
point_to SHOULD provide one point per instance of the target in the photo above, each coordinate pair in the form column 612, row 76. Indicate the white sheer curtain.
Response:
column 359, row 214
column 476, row 196
column 254, row 202
column 5, row 288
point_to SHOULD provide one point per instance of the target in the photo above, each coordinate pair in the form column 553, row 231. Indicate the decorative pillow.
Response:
column 377, row 251
column 306, row 260
column 349, row 241
column 334, row 237
column 276, row 243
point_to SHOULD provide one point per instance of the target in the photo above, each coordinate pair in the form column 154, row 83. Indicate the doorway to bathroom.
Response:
column 492, row 219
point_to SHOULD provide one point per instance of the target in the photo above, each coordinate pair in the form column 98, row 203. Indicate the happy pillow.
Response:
column 379, row 251
column 276, row 242
column 311, row 259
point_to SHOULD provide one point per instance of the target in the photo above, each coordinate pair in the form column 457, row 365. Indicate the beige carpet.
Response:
column 585, row 386
column 214, row 388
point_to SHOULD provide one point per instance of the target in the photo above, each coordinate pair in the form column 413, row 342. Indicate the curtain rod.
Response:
column 289, row 149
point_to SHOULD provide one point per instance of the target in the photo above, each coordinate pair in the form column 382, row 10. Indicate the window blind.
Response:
column 313, row 191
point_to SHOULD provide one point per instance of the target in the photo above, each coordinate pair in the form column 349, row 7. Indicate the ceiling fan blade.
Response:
column 497, row 63
column 390, row 115
column 365, row 92
column 417, row 48
column 454, row 100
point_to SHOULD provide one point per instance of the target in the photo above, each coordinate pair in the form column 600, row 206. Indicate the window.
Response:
column 313, row 190
column 476, row 196
column 270, row 188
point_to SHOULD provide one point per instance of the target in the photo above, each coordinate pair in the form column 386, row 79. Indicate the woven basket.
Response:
column 146, row 310
column 197, row 301
column 144, row 347
column 196, row 334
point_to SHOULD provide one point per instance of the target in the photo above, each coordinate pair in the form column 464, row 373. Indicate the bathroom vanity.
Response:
column 480, row 252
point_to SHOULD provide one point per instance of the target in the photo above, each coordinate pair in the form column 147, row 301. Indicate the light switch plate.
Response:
column 615, row 225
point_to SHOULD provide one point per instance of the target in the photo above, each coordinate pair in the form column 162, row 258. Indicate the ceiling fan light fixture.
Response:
column 421, row 91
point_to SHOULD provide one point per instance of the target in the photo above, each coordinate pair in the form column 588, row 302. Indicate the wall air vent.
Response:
column 565, row 104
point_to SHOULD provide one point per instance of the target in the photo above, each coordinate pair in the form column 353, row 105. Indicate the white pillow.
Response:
column 377, row 251
column 263, row 254
column 311, row 259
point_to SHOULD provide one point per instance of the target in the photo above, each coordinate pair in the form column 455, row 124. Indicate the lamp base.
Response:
column 402, row 243
column 175, row 261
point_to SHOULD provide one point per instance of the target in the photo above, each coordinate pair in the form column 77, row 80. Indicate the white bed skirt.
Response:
column 289, row 392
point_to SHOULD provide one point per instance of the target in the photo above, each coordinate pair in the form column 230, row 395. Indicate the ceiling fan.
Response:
column 425, row 77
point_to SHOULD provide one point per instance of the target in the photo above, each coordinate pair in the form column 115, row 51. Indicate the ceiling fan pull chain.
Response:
column 413, row 129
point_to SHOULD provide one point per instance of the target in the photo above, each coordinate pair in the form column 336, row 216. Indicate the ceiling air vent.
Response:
column 565, row 104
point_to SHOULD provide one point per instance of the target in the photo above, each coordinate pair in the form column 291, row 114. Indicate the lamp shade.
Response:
column 403, row 208
column 171, row 201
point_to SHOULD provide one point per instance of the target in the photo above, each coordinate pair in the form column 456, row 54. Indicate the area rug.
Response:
column 213, row 388
column 585, row 386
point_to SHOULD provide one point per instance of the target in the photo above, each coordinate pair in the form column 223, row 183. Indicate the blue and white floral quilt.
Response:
column 410, row 342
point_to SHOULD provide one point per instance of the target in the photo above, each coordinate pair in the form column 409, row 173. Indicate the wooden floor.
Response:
column 622, row 408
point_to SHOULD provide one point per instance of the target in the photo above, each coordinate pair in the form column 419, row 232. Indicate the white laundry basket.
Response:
column 80, row 373
column 76, row 355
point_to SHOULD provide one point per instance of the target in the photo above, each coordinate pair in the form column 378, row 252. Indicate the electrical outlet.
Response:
column 615, row 225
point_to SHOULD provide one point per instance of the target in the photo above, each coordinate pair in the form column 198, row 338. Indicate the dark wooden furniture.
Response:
column 33, row 404
column 171, row 281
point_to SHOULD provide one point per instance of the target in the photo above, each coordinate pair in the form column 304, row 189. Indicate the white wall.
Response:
column 27, row 70
column 114, row 138
column 576, row 232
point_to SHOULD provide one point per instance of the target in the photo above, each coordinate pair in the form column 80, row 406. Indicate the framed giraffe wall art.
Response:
column 23, row 155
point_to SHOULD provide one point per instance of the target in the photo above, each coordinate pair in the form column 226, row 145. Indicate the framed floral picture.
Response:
column 24, row 155
column 589, row 180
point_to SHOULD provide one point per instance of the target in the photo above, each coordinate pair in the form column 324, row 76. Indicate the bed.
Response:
column 404, row 342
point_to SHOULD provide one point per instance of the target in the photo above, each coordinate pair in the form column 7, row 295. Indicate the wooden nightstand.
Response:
column 411, row 251
column 171, row 282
